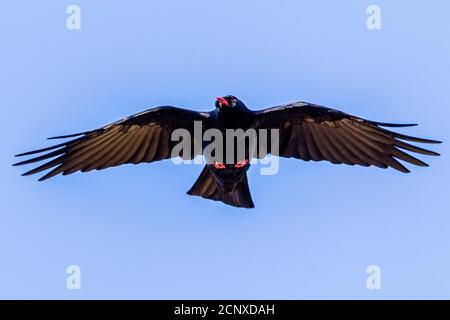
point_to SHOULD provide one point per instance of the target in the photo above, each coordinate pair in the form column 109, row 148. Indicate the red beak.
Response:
column 222, row 101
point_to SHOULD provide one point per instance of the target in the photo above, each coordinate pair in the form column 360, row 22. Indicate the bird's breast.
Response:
column 233, row 120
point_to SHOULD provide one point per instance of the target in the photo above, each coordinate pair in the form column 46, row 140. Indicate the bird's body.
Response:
column 305, row 131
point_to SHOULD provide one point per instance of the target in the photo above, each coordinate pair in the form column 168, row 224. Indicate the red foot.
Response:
column 241, row 163
column 218, row 165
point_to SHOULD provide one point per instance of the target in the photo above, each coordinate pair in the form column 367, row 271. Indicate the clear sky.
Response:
column 316, row 227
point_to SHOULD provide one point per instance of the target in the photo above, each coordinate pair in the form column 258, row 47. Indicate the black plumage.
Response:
column 306, row 131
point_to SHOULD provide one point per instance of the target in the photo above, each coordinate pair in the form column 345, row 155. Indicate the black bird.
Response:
column 306, row 131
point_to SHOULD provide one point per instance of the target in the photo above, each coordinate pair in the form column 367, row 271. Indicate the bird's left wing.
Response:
column 312, row 132
column 143, row 137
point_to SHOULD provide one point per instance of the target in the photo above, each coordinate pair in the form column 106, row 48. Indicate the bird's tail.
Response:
column 206, row 187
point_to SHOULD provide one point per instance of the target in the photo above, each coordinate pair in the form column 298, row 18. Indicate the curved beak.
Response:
column 222, row 102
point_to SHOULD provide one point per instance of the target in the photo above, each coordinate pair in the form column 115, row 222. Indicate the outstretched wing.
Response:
column 312, row 132
column 143, row 137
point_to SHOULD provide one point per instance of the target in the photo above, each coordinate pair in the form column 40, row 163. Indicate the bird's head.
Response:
column 227, row 176
column 228, row 103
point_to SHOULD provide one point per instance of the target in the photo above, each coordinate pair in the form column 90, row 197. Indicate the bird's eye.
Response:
column 218, row 165
column 233, row 101
column 241, row 164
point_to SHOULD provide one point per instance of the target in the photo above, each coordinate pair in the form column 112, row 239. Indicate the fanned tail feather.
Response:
column 206, row 187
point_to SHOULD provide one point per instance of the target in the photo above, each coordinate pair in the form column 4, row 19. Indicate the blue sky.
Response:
column 316, row 226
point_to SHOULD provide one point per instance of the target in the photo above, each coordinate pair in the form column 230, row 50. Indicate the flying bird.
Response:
column 306, row 131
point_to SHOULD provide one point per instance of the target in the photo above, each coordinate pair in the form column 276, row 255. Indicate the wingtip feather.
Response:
column 394, row 125
column 69, row 135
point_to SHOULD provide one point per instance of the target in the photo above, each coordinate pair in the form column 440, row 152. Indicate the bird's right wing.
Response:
column 312, row 132
column 143, row 137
